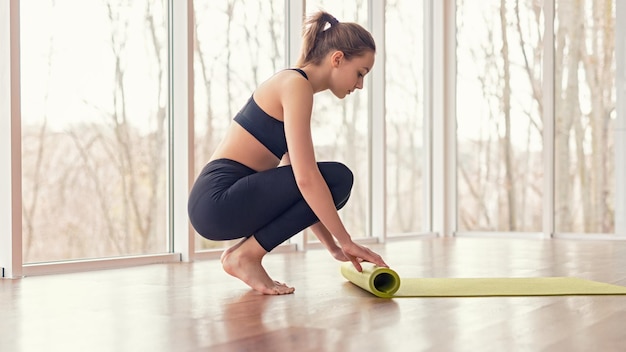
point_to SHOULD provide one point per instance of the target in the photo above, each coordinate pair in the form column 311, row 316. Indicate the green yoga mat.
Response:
column 386, row 283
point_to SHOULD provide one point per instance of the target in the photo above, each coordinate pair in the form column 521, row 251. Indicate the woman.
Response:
column 263, row 183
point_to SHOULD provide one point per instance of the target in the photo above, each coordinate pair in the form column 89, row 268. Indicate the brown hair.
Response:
column 318, row 40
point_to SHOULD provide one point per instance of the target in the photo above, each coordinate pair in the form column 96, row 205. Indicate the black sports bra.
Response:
column 265, row 128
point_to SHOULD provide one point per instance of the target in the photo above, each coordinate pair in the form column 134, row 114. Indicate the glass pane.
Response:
column 499, row 116
column 238, row 45
column 340, row 127
column 404, row 115
column 584, row 116
column 94, row 103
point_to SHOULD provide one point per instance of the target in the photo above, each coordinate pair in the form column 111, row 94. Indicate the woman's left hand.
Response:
column 357, row 254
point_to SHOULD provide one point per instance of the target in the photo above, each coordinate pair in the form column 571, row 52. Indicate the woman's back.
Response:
column 240, row 143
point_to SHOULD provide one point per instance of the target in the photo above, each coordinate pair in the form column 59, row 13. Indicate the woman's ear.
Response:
column 336, row 58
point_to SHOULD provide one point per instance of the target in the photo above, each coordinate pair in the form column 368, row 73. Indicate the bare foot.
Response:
column 243, row 261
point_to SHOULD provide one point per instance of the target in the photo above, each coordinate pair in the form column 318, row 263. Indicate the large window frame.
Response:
column 440, row 206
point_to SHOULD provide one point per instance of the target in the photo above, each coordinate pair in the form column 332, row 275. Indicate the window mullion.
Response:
column 10, row 140
column 620, row 123
column 548, row 119
column 377, row 185
column 181, row 174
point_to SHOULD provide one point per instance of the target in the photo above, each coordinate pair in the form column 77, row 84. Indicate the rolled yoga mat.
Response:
column 386, row 283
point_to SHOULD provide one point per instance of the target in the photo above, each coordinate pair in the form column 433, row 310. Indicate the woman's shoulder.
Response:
column 289, row 76
column 286, row 81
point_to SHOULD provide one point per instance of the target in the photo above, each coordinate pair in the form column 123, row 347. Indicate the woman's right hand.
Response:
column 338, row 254
column 357, row 253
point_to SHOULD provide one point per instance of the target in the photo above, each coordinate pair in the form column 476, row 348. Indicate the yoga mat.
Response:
column 386, row 283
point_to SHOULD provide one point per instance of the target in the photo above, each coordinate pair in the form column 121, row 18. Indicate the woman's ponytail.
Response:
column 313, row 27
column 323, row 33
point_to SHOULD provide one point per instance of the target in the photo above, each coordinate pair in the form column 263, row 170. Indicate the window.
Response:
column 404, row 32
column 94, row 129
column 584, row 74
column 499, row 115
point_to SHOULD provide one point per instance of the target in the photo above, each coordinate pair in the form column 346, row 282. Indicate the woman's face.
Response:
column 348, row 74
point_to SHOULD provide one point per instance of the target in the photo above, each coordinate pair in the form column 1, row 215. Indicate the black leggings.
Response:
column 230, row 200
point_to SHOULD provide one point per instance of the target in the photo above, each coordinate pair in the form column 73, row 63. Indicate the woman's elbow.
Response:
column 307, row 180
column 304, row 182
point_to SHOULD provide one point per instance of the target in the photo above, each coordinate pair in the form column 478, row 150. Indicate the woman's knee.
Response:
column 337, row 172
column 339, row 179
column 346, row 176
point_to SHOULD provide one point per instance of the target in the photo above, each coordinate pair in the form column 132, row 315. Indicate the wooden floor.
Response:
column 197, row 307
